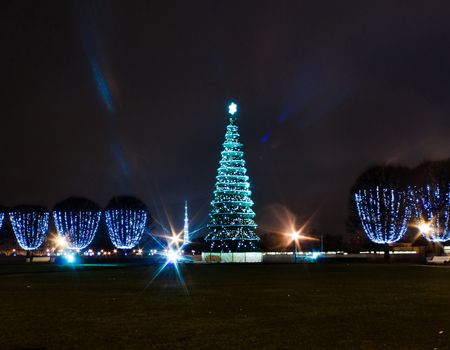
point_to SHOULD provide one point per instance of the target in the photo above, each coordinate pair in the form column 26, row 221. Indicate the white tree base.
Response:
column 250, row 257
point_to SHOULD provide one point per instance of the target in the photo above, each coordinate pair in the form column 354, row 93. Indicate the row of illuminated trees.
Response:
column 77, row 220
column 387, row 201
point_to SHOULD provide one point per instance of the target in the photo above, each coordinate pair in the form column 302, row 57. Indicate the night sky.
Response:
column 102, row 98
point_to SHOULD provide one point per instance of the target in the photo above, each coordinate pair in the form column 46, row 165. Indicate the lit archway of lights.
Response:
column 384, row 213
column 125, row 226
column 77, row 227
column 30, row 228
column 431, row 207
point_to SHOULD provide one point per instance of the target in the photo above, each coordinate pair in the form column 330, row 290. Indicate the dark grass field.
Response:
column 226, row 307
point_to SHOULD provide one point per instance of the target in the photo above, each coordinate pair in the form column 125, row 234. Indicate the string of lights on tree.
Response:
column 431, row 208
column 384, row 213
column 231, row 220
column 78, row 228
column 77, row 220
column 30, row 227
column 126, row 218
column 2, row 217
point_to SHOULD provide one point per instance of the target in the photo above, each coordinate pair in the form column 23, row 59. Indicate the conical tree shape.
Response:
column 231, row 220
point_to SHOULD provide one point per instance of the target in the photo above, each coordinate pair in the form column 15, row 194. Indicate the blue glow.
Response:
column 384, row 213
column 282, row 117
column 120, row 158
column 102, row 86
column 70, row 258
column 315, row 255
column 232, row 108
column 2, row 217
column 266, row 137
column 125, row 226
column 30, row 228
column 78, row 228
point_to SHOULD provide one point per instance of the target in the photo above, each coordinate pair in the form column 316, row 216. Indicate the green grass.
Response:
column 226, row 307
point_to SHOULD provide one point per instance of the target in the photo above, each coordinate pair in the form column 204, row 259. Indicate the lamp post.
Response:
column 295, row 236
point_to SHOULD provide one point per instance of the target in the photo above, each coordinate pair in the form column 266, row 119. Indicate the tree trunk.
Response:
column 386, row 253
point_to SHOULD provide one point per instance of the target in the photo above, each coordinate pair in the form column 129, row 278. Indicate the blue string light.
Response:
column 2, row 217
column 78, row 228
column 30, row 228
column 384, row 213
column 125, row 226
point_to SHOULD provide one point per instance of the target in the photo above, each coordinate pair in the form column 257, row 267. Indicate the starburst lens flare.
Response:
column 431, row 205
column 173, row 256
column 424, row 228
column 61, row 242
column 384, row 213
column 176, row 240
column 295, row 236
column 30, row 225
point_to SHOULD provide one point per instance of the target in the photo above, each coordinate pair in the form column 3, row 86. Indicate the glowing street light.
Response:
column 295, row 237
column 176, row 239
column 61, row 242
column 425, row 228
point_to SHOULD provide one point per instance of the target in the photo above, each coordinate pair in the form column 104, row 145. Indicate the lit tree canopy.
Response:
column 2, row 216
column 126, row 218
column 384, row 213
column 30, row 225
column 381, row 200
column 231, row 220
column 430, row 198
column 77, row 220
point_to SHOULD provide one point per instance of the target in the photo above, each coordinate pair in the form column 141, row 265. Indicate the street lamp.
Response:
column 295, row 236
column 425, row 228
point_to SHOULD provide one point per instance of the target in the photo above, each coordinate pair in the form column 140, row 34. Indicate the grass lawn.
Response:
column 368, row 306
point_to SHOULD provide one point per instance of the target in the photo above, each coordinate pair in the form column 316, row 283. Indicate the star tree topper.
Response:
column 232, row 108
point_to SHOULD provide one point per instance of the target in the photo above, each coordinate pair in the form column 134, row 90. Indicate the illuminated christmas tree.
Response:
column 231, row 220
